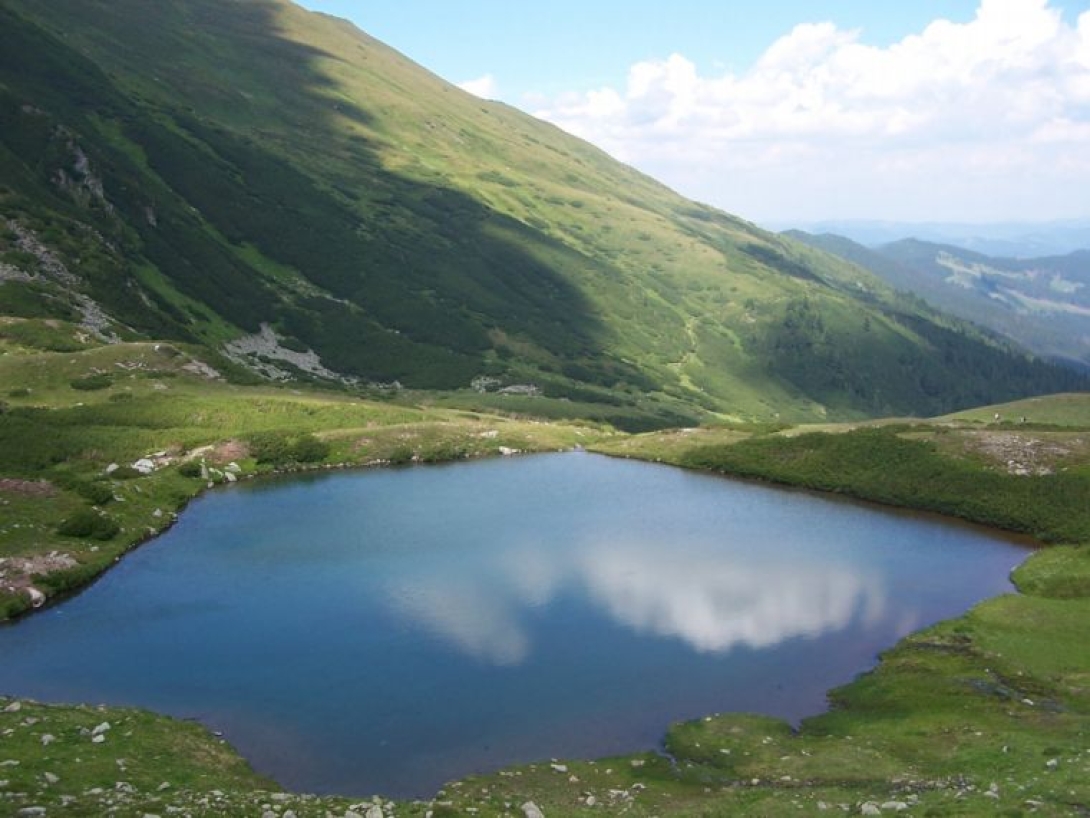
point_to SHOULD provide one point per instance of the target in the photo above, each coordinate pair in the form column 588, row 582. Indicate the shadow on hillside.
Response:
column 424, row 278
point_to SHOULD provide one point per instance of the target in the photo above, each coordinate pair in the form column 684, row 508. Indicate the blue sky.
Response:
column 790, row 111
column 545, row 48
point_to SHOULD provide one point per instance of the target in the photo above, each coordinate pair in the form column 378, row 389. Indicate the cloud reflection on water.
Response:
column 710, row 599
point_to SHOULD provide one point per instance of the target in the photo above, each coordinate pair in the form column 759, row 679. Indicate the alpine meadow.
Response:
column 239, row 238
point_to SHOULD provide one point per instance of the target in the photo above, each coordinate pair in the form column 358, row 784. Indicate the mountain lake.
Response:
column 386, row 631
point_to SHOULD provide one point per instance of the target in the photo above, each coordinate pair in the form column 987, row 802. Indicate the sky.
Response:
column 790, row 112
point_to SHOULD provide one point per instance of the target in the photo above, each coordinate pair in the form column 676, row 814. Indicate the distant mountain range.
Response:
column 1020, row 240
column 296, row 201
column 1042, row 304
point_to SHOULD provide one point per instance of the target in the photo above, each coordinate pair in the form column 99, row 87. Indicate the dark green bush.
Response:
column 97, row 493
column 90, row 383
column 309, row 449
column 282, row 448
column 19, row 393
column 89, row 523
column 190, row 468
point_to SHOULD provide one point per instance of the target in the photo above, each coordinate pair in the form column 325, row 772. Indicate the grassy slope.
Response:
column 984, row 713
column 303, row 174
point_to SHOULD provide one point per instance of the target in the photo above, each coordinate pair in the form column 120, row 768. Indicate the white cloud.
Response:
column 484, row 87
column 986, row 119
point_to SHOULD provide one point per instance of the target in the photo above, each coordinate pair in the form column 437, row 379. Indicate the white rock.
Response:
column 48, row 739
column 37, row 598
column 100, row 729
column 560, row 768
column 531, row 810
column 144, row 466
column 870, row 808
column 112, row 468
column 14, row 707
column 98, row 739
column 896, row 806
column 373, row 811
column 230, row 477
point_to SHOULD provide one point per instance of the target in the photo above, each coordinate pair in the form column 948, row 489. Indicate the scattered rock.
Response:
column 100, row 729
column 560, row 768
column 14, row 707
column 896, row 806
column 50, row 778
column 48, row 739
column 531, row 810
column 870, row 808
column 373, row 811
column 144, row 466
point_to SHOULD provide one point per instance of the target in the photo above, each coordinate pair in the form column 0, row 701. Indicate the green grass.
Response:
column 988, row 712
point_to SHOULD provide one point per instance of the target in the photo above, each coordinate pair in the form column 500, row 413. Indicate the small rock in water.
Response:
column 531, row 810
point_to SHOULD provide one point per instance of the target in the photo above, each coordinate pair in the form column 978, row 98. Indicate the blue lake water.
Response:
column 387, row 631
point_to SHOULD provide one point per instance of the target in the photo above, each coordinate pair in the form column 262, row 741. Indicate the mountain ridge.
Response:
column 216, row 172
column 1042, row 304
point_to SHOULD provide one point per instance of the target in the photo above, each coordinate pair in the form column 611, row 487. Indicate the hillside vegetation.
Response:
column 1042, row 304
column 283, row 191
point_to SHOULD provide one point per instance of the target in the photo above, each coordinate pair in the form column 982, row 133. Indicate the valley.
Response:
column 245, row 243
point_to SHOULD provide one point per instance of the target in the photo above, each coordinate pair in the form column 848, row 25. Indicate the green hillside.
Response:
column 1042, row 304
column 303, row 203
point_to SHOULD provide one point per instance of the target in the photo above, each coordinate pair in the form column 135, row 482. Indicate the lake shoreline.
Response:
column 939, row 791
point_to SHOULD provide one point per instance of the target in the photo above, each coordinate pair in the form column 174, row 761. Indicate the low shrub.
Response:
column 90, row 383
column 89, row 523
column 282, row 448
column 191, row 468
column 97, row 493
